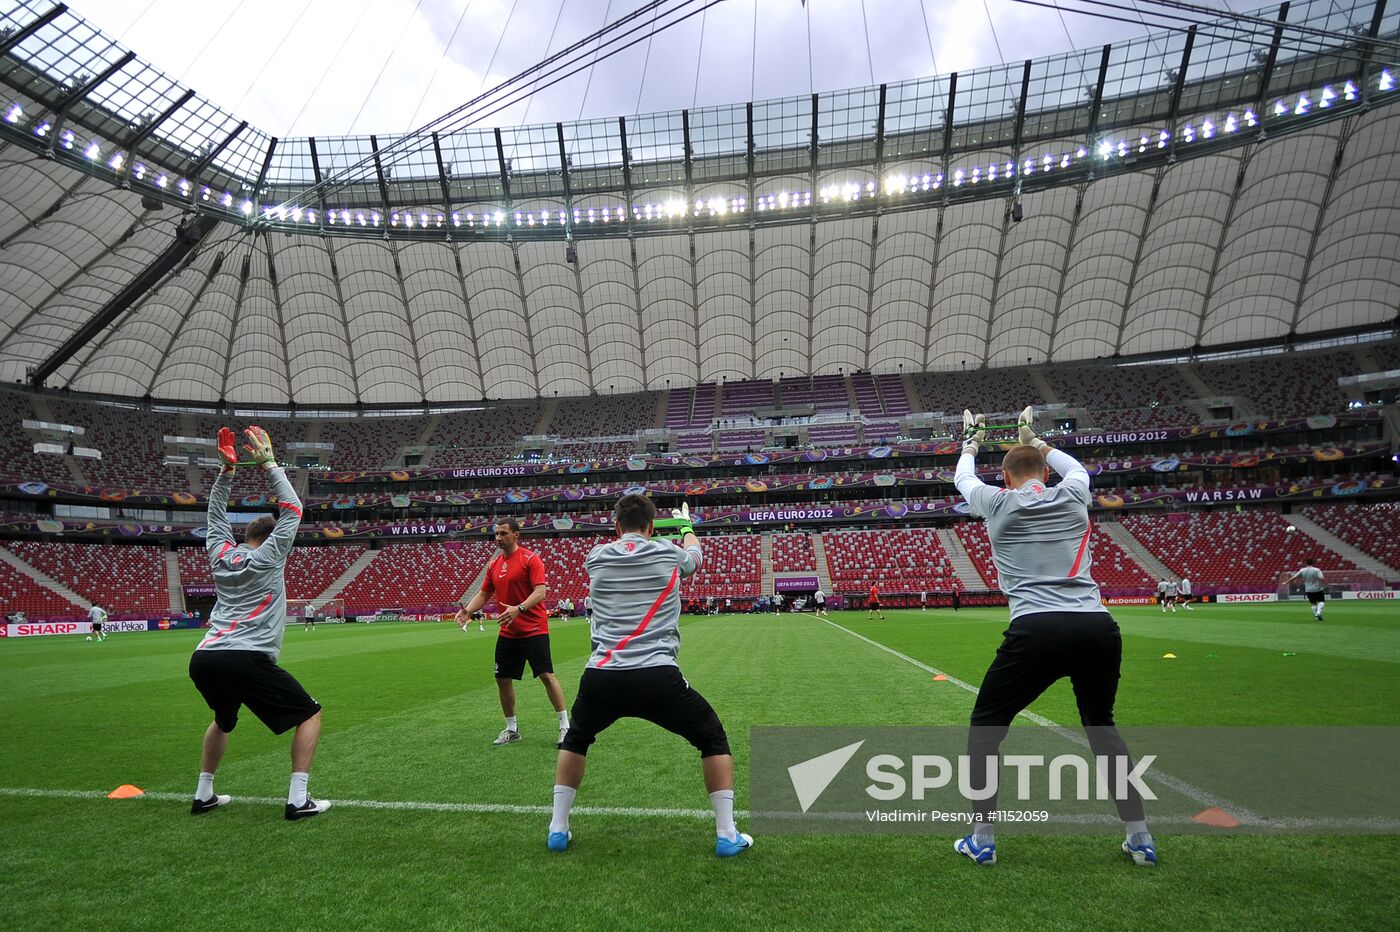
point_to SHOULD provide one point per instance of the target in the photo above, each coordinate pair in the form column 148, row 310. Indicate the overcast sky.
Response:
column 327, row 67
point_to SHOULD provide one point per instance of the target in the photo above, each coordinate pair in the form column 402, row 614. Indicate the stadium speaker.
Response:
column 151, row 203
column 1017, row 214
column 571, row 254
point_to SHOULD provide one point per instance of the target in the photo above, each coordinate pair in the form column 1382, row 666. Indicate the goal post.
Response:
column 315, row 611
column 1335, row 583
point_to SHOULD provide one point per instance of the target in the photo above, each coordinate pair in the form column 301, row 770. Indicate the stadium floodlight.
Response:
column 1302, row 105
column 1250, row 119
column 1386, row 82
column 43, row 129
column 1081, row 152
column 1328, row 95
column 183, row 184
column 226, row 199
column 1349, row 91
column 977, row 174
column 246, row 207
column 14, row 113
column 93, row 150
column 958, row 178
column 67, row 139
column 1188, row 133
column 116, row 162
column 1280, row 108
column 311, row 216
column 1207, row 129
column 1105, row 149
column 1142, row 144
column 1230, row 123
column 500, row 217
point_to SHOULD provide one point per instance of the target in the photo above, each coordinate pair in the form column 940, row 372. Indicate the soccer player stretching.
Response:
column 516, row 579
column 236, row 663
column 1040, row 546
column 1314, row 587
column 635, row 587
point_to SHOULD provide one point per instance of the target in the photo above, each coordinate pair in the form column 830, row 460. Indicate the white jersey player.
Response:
column 1314, row 587
column 1184, row 593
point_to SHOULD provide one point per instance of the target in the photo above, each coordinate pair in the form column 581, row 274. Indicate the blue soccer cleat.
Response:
column 985, row 854
column 1142, row 855
column 559, row 841
column 732, row 848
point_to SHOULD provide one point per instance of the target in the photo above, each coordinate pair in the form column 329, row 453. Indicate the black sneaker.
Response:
column 201, row 806
column 306, row 810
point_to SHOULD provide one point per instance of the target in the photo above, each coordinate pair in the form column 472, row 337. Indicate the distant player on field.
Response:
column 1314, row 587
column 632, row 673
column 1183, row 593
column 308, row 617
column 516, row 578
column 236, row 663
column 1169, row 594
column 873, row 605
column 820, row 599
column 1040, row 546
column 98, row 616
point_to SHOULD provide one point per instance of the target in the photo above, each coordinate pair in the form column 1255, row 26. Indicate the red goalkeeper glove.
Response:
column 228, row 448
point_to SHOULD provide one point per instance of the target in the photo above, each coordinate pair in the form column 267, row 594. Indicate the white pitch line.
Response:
column 1204, row 797
column 635, row 812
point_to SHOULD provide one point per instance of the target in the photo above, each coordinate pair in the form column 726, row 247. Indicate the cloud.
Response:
column 226, row 53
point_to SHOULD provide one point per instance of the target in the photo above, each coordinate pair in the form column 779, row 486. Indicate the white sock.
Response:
column 563, row 802
column 206, row 786
column 296, row 795
column 723, row 803
column 564, row 719
column 510, row 723
column 983, row 834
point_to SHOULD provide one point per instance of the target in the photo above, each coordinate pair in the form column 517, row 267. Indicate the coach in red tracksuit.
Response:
column 515, row 578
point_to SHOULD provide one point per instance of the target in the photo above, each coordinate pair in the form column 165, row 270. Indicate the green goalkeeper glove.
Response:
column 678, row 525
column 973, row 432
column 1025, row 427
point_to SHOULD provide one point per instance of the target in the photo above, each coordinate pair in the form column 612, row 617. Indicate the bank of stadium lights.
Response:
column 892, row 186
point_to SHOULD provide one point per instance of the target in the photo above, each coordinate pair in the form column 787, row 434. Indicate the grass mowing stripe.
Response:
column 1204, row 797
column 412, row 805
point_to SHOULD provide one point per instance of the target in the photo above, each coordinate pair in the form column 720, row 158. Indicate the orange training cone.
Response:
column 1216, row 818
column 126, row 791
column 939, row 678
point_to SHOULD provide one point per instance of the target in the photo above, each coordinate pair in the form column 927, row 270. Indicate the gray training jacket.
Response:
column 1040, row 537
column 251, row 610
column 635, row 587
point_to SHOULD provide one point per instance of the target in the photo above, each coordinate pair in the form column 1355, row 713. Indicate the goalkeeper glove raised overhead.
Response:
column 259, row 447
column 972, row 431
column 1026, row 430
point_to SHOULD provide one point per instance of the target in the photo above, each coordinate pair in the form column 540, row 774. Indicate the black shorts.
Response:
column 874, row 605
column 97, row 627
column 228, row 679
column 1316, row 597
column 511, row 654
column 659, row 695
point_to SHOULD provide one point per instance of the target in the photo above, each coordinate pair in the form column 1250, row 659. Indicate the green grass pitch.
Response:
column 411, row 711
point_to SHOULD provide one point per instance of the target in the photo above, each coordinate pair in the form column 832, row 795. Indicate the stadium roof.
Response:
column 1244, row 186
